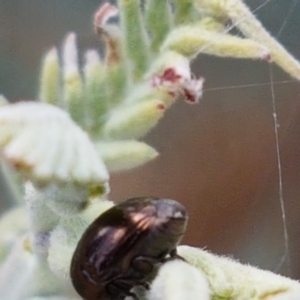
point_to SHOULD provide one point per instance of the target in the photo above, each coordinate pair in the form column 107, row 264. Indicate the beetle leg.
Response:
column 122, row 287
column 174, row 255
column 133, row 295
column 144, row 264
column 145, row 285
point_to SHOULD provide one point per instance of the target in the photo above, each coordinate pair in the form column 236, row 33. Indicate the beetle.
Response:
column 124, row 247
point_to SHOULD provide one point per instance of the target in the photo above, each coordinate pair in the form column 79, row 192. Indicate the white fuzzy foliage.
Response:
column 125, row 155
column 229, row 279
column 291, row 295
column 13, row 225
column 70, row 55
column 53, row 298
column 3, row 100
column 44, row 142
column 178, row 280
column 64, row 238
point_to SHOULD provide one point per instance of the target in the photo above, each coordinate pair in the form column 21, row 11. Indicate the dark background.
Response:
column 217, row 157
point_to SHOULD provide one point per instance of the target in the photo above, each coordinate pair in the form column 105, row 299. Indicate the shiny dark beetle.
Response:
column 124, row 246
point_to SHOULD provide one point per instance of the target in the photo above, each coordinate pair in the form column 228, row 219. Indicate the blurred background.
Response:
column 218, row 157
